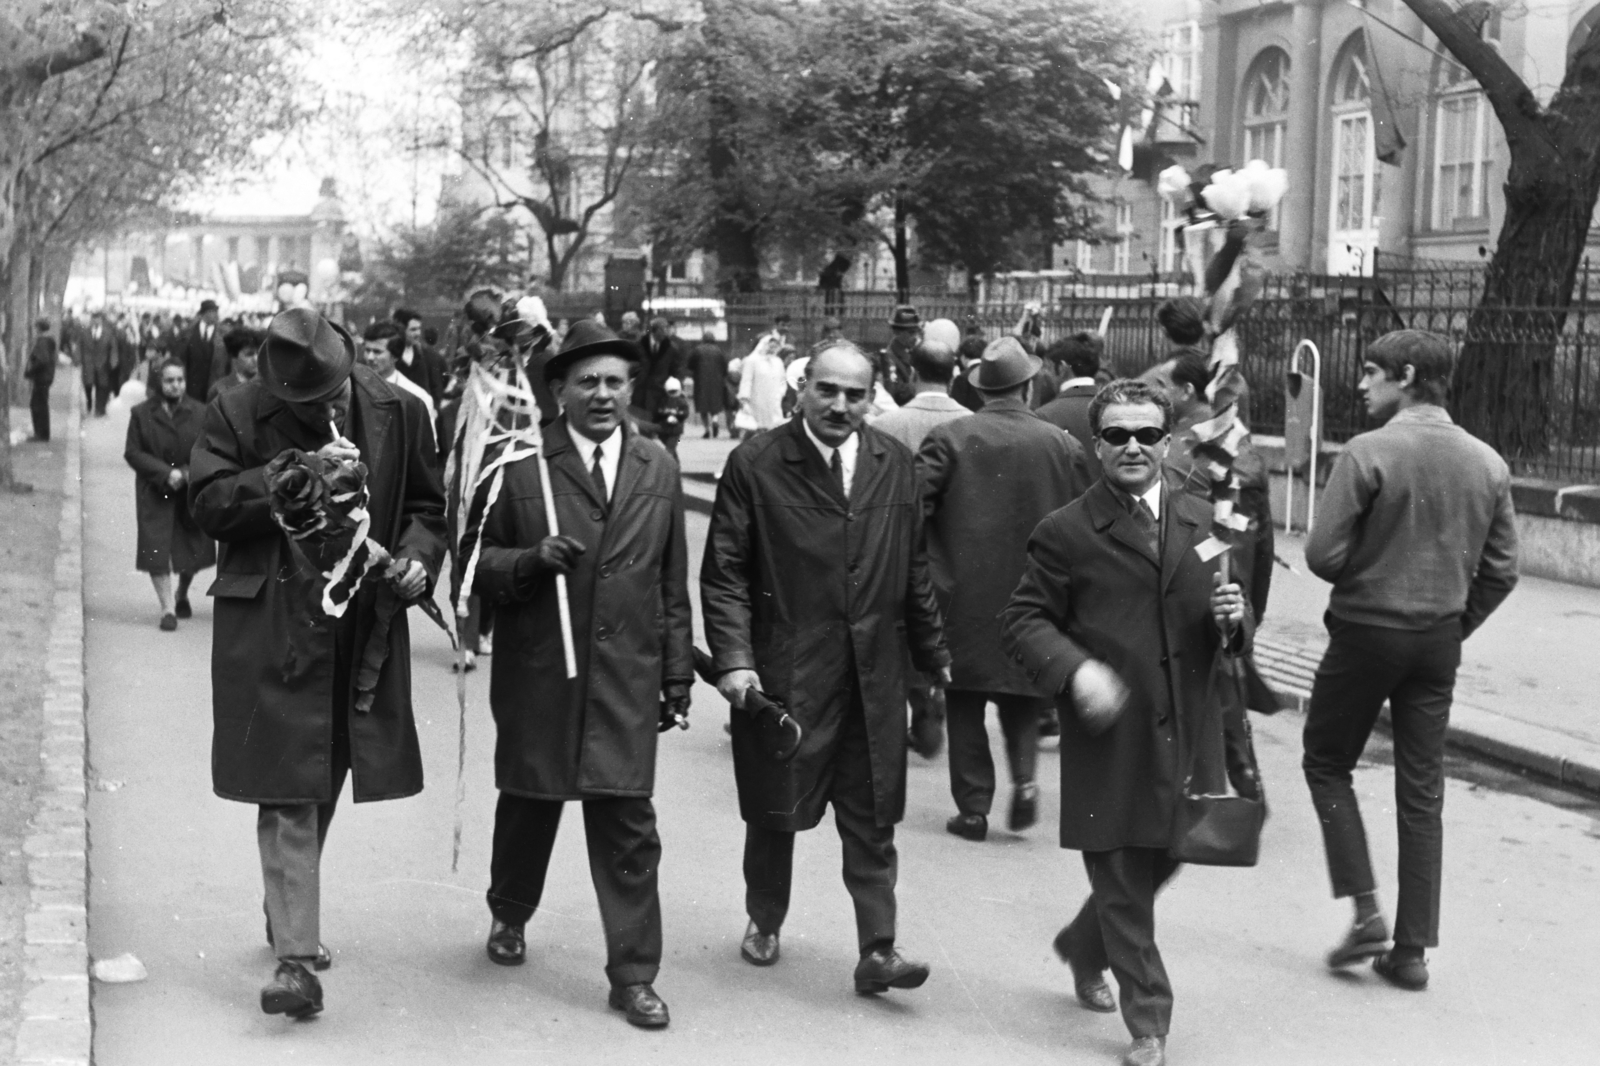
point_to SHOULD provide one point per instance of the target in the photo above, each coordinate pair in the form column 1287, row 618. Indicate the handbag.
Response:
column 1217, row 829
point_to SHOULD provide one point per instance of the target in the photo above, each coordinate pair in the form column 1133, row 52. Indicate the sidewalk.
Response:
column 1526, row 692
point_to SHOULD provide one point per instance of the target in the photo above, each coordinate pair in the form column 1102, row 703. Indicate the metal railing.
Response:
column 1558, row 351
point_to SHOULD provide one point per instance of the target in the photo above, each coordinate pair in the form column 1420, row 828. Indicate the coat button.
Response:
column 602, row 634
column 605, row 571
column 596, row 515
column 855, row 568
column 850, row 516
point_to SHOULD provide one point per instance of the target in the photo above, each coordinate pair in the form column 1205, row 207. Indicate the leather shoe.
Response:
column 759, row 949
column 1091, row 989
column 879, row 971
column 1409, row 972
column 292, row 991
column 641, row 1004
column 506, row 946
column 183, row 610
column 169, row 622
column 968, row 826
column 1146, row 1051
column 1364, row 941
column 1024, row 807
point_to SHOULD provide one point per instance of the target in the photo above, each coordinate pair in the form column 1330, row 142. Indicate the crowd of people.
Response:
column 902, row 538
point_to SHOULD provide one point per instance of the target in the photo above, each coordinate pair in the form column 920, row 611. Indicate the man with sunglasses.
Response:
column 1121, row 618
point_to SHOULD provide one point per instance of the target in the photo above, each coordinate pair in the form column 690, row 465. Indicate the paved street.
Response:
column 175, row 881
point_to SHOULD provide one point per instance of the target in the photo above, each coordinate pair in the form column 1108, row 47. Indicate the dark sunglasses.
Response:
column 1117, row 436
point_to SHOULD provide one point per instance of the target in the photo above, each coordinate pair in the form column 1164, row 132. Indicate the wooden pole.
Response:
column 561, row 579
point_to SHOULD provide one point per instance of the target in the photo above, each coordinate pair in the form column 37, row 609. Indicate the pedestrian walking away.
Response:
column 41, row 374
column 815, row 589
column 619, row 540
column 1120, row 618
column 987, row 481
column 161, row 435
column 286, row 726
column 933, row 364
column 708, row 364
column 1080, row 355
column 1417, row 533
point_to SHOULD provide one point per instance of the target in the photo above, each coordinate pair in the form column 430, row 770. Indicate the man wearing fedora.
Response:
column 815, row 591
column 592, row 738
column 282, row 672
column 204, row 357
column 894, row 362
column 987, row 480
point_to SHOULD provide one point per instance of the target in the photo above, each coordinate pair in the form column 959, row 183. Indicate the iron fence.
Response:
column 1341, row 315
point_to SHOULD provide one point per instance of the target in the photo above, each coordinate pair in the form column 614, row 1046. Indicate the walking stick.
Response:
column 461, row 752
column 561, row 579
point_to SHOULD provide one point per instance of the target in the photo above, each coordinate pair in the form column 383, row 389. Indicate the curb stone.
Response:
column 1573, row 762
column 56, row 1027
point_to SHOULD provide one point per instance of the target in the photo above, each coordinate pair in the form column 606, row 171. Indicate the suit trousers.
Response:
column 971, row 766
column 290, row 838
column 1116, row 928
column 1415, row 671
column 871, row 864
column 624, row 858
column 39, row 405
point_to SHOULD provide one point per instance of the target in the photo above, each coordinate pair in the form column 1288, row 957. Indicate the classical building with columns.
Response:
column 1389, row 144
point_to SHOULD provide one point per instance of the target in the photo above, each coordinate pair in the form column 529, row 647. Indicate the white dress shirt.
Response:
column 1152, row 499
column 847, row 455
column 610, row 451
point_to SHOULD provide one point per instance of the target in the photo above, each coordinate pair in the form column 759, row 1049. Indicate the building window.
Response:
column 1170, row 221
column 1181, row 45
column 1266, row 112
column 1122, row 254
column 263, row 251
column 1357, row 192
column 1461, row 151
column 1085, row 257
column 501, row 146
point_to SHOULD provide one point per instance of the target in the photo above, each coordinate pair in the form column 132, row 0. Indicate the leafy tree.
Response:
column 178, row 93
column 836, row 123
column 1503, row 387
column 462, row 250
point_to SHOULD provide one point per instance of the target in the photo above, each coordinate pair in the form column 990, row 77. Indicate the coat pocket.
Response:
column 237, row 586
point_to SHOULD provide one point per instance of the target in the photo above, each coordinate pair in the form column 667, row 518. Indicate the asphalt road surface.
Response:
column 176, row 881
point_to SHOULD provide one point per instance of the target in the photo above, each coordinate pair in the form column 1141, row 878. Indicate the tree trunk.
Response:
column 902, row 252
column 732, row 237
column 1504, row 384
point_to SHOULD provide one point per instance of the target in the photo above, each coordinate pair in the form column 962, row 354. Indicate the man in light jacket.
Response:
column 1417, row 533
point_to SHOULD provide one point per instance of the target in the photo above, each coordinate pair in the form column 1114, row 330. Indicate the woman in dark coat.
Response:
column 709, row 366
column 161, row 433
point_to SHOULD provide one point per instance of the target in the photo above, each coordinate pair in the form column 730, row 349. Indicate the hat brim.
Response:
column 337, row 375
column 561, row 362
column 1035, row 364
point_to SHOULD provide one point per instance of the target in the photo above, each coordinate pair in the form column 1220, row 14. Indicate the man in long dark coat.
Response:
column 987, row 480
column 662, row 358
column 97, row 360
column 708, row 364
column 1119, row 616
column 815, row 587
column 161, row 434
column 285, row 733
column 41, row 372
column 201, row 349
column 621, row 545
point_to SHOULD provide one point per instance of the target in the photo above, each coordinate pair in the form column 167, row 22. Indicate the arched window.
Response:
column 1357, row 202
column 1266, row 107
column 1461, row 164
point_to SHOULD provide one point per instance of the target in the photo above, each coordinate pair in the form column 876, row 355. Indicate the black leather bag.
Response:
column 1220, row 829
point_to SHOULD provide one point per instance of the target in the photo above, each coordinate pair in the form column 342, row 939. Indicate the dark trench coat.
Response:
column 817, row 593
column 159, row 442
column 1093, row 589
column 272, row 649
column 594, row 735
column 986, row 482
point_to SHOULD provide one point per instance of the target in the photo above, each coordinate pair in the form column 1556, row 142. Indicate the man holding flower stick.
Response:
column 310, row 663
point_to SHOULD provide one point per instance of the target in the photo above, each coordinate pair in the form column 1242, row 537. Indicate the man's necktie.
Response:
column 597, row 474
column 1146, row 520
column 837, row 467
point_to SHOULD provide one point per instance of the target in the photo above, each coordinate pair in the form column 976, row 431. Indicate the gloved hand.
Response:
column 558, row 554
column 674, row 706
